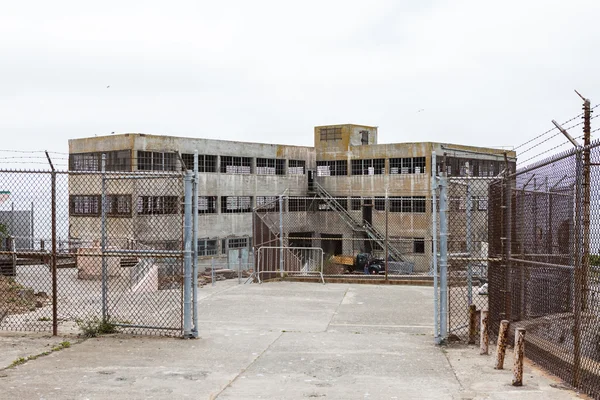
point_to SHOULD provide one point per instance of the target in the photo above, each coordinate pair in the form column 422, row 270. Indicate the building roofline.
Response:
column 185, row 137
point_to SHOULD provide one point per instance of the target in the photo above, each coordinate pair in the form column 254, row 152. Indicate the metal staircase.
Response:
column 363, row 227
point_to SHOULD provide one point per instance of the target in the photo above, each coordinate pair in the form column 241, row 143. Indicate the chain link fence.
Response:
column 548, row 280
column 67, row 262
column 373, row 238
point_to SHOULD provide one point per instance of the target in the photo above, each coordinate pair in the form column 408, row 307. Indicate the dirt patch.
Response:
column 16, row 298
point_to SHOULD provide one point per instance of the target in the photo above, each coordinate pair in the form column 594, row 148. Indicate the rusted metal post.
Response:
column 519, row 353
column 472, row 323
column 53, row 222
column 484, row 336
column 507, row 238
column 501, row 348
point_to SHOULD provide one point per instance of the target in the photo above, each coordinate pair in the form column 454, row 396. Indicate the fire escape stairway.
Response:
column 365, row 227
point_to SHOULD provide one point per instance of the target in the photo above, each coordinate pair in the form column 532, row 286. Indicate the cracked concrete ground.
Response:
column 277, row 340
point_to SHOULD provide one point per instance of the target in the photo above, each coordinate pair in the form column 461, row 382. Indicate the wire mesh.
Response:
column 468, row 240
column 547, row 281
column 361, row 237
column 120, row 264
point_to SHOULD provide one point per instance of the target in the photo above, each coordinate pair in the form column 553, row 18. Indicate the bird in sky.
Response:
column 420, row 109
column 108, row 86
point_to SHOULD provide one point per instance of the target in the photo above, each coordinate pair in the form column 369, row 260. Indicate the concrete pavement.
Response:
column 277, row 340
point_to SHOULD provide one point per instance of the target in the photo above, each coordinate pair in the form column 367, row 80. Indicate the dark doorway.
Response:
column 311, row 181
column 300, row 239
column 332, row 244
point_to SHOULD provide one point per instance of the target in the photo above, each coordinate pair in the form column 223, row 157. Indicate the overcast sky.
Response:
column 483, row 73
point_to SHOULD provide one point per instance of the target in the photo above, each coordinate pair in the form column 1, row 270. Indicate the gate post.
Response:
column 102, row 241
column 434, row 264
column 443, row 256
column 187, row 256
column 195, row 247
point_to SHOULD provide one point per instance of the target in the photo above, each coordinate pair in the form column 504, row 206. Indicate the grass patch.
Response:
column 95, row 327
column 22, row 360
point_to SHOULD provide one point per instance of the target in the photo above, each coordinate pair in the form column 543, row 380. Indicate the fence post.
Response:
column 187, row 256
column 281, row 235
column 195, row 249
column 519, row 353
column 434, row 265
column 507, row 240
column 469, row 243
column 484, row 336
column 501, row 348
column 54, row 279
column 578, row 278
column 443, row 256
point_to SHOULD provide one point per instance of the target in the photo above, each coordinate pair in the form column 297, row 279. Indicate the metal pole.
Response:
column 387, row 206
column 187, row 256
column 519, row 354
column 434, row 269
column 240, row 267
column 195, row 247
column 469, row 242
column 103, row 241
column 281, row 235
column 507, row 240
column 586, row 202
column 443, row 256
column 54, row 278
column 501, row 348
column 484, row 336
column 578, row 279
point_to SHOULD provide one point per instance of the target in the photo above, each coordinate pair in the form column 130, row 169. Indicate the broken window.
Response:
column 206, row 163
column 268, row 203
column 157, row 205
column 355, row 203
column 236, row 165
column 207, row 204
column 155, row 161
column 332, row 168
column 298, row 203
column 364, row 138
column 84, row 205
column 270, row 166
column 331, row 133
column 296, row 167
column 407, row 165
column 118, row 205
column 235, row 243
column 236, row 204
column 207, row 247
column 368, row 167
column 85, row 162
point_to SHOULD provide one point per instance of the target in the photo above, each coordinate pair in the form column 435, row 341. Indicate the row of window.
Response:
column 121, row 205
column 407, row 165
column 210, row 247
column 167, row 161
column 471, row 167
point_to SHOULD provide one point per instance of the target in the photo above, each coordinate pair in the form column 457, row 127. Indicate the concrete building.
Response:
column 346, row 163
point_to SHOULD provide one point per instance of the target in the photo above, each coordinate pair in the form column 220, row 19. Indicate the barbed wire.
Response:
column 554, row 148
column 552, row 129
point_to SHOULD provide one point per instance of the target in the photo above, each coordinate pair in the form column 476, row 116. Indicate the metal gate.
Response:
column 111, row 248
column 277, row 261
